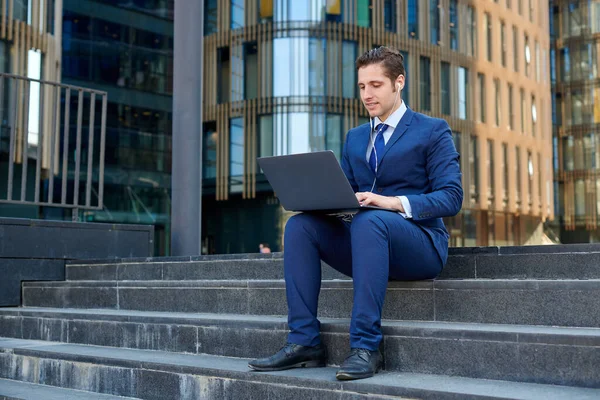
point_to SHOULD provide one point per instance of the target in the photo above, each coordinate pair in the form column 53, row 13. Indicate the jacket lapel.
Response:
column 399, row 131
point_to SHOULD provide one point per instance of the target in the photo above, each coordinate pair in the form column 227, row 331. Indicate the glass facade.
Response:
column 290, row 87
column 575, row 116
column 126, row 49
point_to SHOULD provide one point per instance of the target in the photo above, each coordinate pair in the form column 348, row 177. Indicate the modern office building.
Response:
column 574, row 28
column 125, row 48
column 280, row 78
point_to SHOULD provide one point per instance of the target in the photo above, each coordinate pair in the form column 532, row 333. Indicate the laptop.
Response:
column 311, row 182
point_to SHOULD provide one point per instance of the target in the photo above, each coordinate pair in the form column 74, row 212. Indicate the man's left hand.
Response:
column 368, row 198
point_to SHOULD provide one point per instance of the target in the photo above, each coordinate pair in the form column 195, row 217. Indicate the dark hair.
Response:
column 265, row 244
column 391, row 60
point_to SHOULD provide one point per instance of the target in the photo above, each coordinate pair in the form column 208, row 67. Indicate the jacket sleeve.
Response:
column 346, row 167
column 443, row 172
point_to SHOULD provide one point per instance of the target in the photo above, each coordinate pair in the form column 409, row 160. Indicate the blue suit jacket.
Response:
column 419, row 162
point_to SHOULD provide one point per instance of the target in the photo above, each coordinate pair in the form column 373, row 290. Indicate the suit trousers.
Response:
column 373, row 248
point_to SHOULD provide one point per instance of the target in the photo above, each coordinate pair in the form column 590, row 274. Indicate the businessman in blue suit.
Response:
column 401, row 160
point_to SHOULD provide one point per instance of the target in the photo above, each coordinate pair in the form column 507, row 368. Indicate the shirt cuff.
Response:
column 406, row 205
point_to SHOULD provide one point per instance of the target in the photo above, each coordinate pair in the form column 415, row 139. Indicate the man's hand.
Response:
column 368, row 198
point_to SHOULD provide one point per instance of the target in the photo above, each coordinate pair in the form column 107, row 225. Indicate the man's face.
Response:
column 377, row 91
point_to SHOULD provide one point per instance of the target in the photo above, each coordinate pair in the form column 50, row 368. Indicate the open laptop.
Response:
column 311, row 182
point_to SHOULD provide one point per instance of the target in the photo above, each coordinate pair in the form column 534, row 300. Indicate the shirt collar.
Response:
column 393, row 119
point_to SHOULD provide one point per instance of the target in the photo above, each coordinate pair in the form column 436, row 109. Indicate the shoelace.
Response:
column 362, row 353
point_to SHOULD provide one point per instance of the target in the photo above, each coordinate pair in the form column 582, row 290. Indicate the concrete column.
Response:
column 186, row 180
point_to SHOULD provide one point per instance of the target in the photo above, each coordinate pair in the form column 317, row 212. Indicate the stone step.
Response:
column 271, row 268
column 521, row 353
column 527, row 302
column 161, row 375
column 485, row 264
column 15, row 390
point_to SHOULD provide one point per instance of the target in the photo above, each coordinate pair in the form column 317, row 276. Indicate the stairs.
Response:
column 499, row 323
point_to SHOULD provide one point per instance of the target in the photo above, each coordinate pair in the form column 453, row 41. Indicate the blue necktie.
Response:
column 378, row 148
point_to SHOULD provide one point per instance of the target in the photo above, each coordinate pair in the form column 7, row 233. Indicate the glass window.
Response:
column 390, row 19
column 531, row 10
column 463, row 93
column 515, row 49
column 236, row 154
column 565, row 64
column 533, row 116
column 474, row 167
column 568, row 150
column 511, row 111
column 523, row 109
column 471, row 31
column 334, row 134
column 236, row 147
column 250, row 71
column 456, row 138
column 482, row 102
column 490, row 165
column 290, row 57
column 237, row 14
column 413, row 19
column 529, row 177
column 363, row 13
column 503, row 42
column 223, row 75
column 425, row 83
column 527, row 56
column 405, row 91
column 349, row 50
column 209, row 151
column 505, row 171
column 316, row 67
column 454, row 24
column 538, row 63
column 518, row 164
column 487, row 26
column 498, row 101
column 445, row 84
column 557, row 105
column 265, row 141
column 580, row 198
column 434, row 21
column 210, row 17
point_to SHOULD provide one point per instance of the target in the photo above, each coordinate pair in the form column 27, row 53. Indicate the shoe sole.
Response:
column 303, row 364
column 345, row 376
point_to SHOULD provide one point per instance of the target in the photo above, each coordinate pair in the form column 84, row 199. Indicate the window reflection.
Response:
column 434, row 21
column 413, row 19
column 425, row 83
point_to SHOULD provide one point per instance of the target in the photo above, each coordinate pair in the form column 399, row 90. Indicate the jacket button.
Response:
column 379, row 190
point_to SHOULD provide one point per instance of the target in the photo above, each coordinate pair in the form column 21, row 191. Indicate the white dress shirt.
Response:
column 392, row 121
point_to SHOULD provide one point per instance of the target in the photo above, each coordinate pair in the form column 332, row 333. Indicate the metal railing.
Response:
column 25, row 101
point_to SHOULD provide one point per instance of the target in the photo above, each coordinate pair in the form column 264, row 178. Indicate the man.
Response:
column 402, row 160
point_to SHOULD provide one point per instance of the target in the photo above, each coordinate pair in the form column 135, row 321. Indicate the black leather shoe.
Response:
column 361, row 363
column 292, row 356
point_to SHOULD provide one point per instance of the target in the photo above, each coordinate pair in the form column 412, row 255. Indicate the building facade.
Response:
column 574, row 28
column 125, row 48
column 280, row 78
column 30, row 46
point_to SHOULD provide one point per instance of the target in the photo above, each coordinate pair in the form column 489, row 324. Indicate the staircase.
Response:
column 499, row 323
